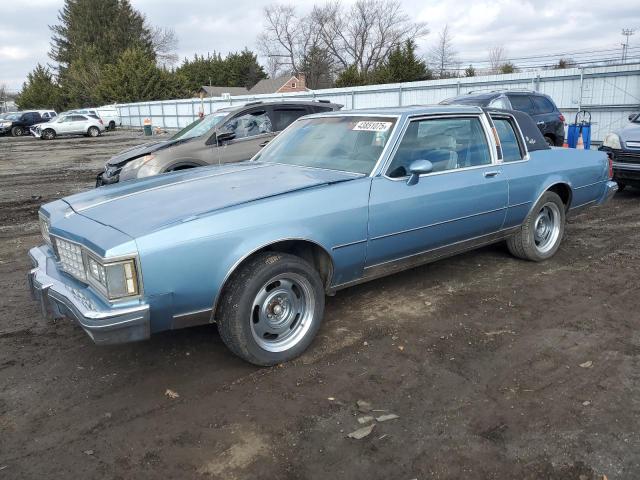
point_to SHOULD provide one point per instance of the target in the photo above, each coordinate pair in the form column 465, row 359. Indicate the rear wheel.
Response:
column 541, row 233
column 550, row 141
column 112, row 125
column 271, row 308
column 621, row 186
column 48, row 134
column 93, row 131
column 17, row 131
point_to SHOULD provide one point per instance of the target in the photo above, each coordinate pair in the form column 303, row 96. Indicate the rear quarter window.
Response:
column 522, row 103
column 511, row 151
column 543, row 104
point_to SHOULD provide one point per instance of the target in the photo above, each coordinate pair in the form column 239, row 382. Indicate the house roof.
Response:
column 218, row 91
column 270, row 85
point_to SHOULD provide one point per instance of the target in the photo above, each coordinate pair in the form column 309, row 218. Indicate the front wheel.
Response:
column 48, row 134
column 17, row 131
column 93, row 131
column 271, row 308
column 541, row 233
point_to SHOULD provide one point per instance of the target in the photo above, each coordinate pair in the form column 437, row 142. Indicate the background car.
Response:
column 539, row 106
column 624, row 147
column 228, row 135
column 73, row 124
column 47, row 114
column 18, row 123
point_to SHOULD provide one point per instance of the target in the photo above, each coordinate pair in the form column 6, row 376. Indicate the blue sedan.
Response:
column 335, row 200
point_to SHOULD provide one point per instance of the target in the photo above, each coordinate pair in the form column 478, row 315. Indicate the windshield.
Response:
column 13, row 116
column 345, row 143
column 200, row 126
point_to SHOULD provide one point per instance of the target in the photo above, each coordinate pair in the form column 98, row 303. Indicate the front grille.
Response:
column 71, row 260
column 627, row 157
column 633, row 145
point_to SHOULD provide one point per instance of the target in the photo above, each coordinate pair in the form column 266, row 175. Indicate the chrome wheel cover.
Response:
column 282, row 312
column 546, row 227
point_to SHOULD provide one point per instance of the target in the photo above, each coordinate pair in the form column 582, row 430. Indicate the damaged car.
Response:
column 337, row 199
column 228, row 135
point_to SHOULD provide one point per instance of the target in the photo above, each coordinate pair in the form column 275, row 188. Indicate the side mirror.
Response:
column 222, row 138
column 417, row 168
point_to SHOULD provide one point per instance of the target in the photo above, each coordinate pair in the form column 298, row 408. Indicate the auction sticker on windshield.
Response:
column 369, row 126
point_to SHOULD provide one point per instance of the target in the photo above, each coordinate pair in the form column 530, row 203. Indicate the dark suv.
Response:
column 227, row 135
column 538, row 105
column 18, row 123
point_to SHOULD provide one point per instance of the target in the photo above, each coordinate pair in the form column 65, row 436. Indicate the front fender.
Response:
column 193, row 259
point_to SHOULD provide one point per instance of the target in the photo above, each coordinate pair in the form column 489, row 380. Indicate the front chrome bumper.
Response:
column 62, row 297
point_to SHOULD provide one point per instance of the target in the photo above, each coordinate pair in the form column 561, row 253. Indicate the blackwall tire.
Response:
column 17, row 131
column 541, row 233
column 93, row 131
column 271, row 308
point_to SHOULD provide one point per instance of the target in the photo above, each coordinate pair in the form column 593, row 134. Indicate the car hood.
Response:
column 140, row 207
column 630, row 132
column 135, row 152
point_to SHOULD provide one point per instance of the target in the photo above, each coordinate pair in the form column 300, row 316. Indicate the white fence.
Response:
column 610, row 93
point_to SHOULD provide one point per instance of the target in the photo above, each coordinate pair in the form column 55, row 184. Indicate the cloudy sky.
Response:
column 524, row 27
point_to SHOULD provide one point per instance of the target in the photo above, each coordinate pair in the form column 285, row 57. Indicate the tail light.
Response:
column 561, row 117
column 100, row 120
column 610, row 157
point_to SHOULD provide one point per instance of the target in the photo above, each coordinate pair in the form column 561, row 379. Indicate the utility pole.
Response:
column 626, row 32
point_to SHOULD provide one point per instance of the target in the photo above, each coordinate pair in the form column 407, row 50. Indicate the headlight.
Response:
column 612, row 140
column 113, row 279
column 139, row 162
column 45, row 225
column 116, row 279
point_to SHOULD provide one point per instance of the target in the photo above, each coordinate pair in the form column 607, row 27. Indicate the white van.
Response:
column 110, row 116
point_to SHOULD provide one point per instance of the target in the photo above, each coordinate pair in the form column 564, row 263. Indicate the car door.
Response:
column 252, row 130
column 78, row 124
column 463, row 199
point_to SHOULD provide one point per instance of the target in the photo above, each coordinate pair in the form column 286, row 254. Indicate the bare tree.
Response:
column 364, row 34
column 443, row 56
column 497, row 58
column 360, row 35
column 287, row 39
column 165, row 43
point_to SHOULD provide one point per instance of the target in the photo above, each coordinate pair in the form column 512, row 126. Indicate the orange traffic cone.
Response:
column 565, row 144
column 580, row 145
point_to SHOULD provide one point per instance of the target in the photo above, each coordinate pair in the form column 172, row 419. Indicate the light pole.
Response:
column 626, row 32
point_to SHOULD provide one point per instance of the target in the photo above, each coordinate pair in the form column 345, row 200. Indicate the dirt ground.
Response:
column 497, row 368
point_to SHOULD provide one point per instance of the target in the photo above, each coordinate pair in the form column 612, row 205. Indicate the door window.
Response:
column 283, row 117
column 542, row 104
column 78, row 118
column 448, row 143
column 522, row 103
column 508, row 140
column 249, row 125
column 500, row 102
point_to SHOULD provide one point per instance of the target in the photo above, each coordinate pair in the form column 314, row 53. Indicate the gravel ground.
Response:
column 496, row 368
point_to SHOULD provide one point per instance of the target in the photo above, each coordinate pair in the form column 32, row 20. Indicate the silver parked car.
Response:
column 73, row 124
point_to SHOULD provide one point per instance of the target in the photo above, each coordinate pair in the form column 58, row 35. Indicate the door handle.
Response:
column 492, row 173
column 264, row 144
column 540, row 123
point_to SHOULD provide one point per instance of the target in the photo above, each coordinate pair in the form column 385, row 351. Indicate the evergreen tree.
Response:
column 470, row 71
column 136, row 78
column 508, row 67
column 209, row 70
column 317, row 66
column 351, row 77
column 402, row 65
column 40, row 91
column 244, row 69
column 108, row 26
